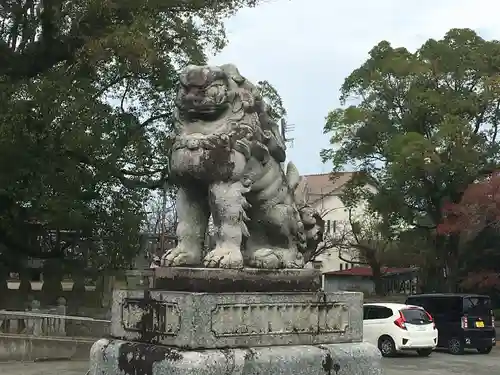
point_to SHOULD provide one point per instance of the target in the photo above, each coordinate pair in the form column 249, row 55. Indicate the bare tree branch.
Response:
column 154, row 118
column 143, row 173
column 124, row 95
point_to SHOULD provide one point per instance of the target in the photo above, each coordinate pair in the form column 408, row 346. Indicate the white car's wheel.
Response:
column 386, row 346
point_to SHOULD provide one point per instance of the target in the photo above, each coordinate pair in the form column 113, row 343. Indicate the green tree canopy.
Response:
column 423, row 127
column 273, row 100
column 86, row 97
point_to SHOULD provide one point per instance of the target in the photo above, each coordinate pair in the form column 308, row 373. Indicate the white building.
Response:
column 322, row 191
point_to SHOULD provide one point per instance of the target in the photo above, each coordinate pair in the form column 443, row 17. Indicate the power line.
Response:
column 286, row 129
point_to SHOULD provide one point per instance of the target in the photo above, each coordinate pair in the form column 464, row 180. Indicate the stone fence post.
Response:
column 35, row 324
column 60, row 323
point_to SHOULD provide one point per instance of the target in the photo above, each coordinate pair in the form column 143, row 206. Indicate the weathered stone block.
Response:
column 210, row 320
column 127, row 358
column 216, row 280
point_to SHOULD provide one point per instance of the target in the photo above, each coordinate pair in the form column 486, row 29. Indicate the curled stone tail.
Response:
column 244, row 217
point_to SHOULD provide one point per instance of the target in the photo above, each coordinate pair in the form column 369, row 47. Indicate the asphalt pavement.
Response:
column 442, row 363
column 438, row 363
column 45, row 368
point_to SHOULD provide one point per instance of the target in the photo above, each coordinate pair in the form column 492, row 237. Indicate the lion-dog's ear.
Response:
column 183, row 77
column 232, row 72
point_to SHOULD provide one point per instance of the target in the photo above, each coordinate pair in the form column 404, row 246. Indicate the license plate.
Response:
column 480, row 324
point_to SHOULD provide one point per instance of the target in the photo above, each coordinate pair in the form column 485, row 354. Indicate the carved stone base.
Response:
column 127, row 358
column 227, row 320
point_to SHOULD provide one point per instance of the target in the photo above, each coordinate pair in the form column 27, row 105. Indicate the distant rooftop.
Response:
column 318, row 186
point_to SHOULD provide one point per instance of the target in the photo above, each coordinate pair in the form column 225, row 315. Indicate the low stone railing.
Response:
column 32, row 336
column 41, row 324
column 35, row 321
column 32, row 323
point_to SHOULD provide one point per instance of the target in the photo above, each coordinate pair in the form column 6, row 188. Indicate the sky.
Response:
column 306, row 48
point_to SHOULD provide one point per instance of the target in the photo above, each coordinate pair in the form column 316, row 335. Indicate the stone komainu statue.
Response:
column 227, row 161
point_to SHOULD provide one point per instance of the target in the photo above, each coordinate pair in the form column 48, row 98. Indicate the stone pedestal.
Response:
column 289, row 326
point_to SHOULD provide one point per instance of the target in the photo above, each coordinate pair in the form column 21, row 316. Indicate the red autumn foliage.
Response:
column 478, row 208
column 483, row 280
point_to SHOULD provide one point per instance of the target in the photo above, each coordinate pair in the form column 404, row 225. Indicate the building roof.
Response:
column 367, row 271
column 317, row 186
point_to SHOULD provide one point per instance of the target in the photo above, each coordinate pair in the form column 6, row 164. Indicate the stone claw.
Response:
column 181, row 256
column 275, row 258
column 224, row 257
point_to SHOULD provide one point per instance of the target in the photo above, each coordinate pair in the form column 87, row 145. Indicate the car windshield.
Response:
column 416, row 316
column 477, row 305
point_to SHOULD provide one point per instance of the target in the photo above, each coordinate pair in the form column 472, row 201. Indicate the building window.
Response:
column 341, row 266
column 331, row 226
column 317, row 265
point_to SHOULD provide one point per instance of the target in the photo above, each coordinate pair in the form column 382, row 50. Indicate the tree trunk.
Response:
column 4, row 287
column 52, row 278
column 451, row 262
column 451, row 275
column 378, row 281
column 376, row 268
column 428, row 280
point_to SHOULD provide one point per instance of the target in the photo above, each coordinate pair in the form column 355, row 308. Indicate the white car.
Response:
column 394, row 327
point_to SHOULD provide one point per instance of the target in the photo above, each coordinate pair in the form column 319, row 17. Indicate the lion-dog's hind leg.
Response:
column 273, row 243
column 193, row 213
column 226, row 202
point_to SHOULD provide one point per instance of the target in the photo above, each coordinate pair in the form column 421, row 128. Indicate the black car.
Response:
column 463, row 320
